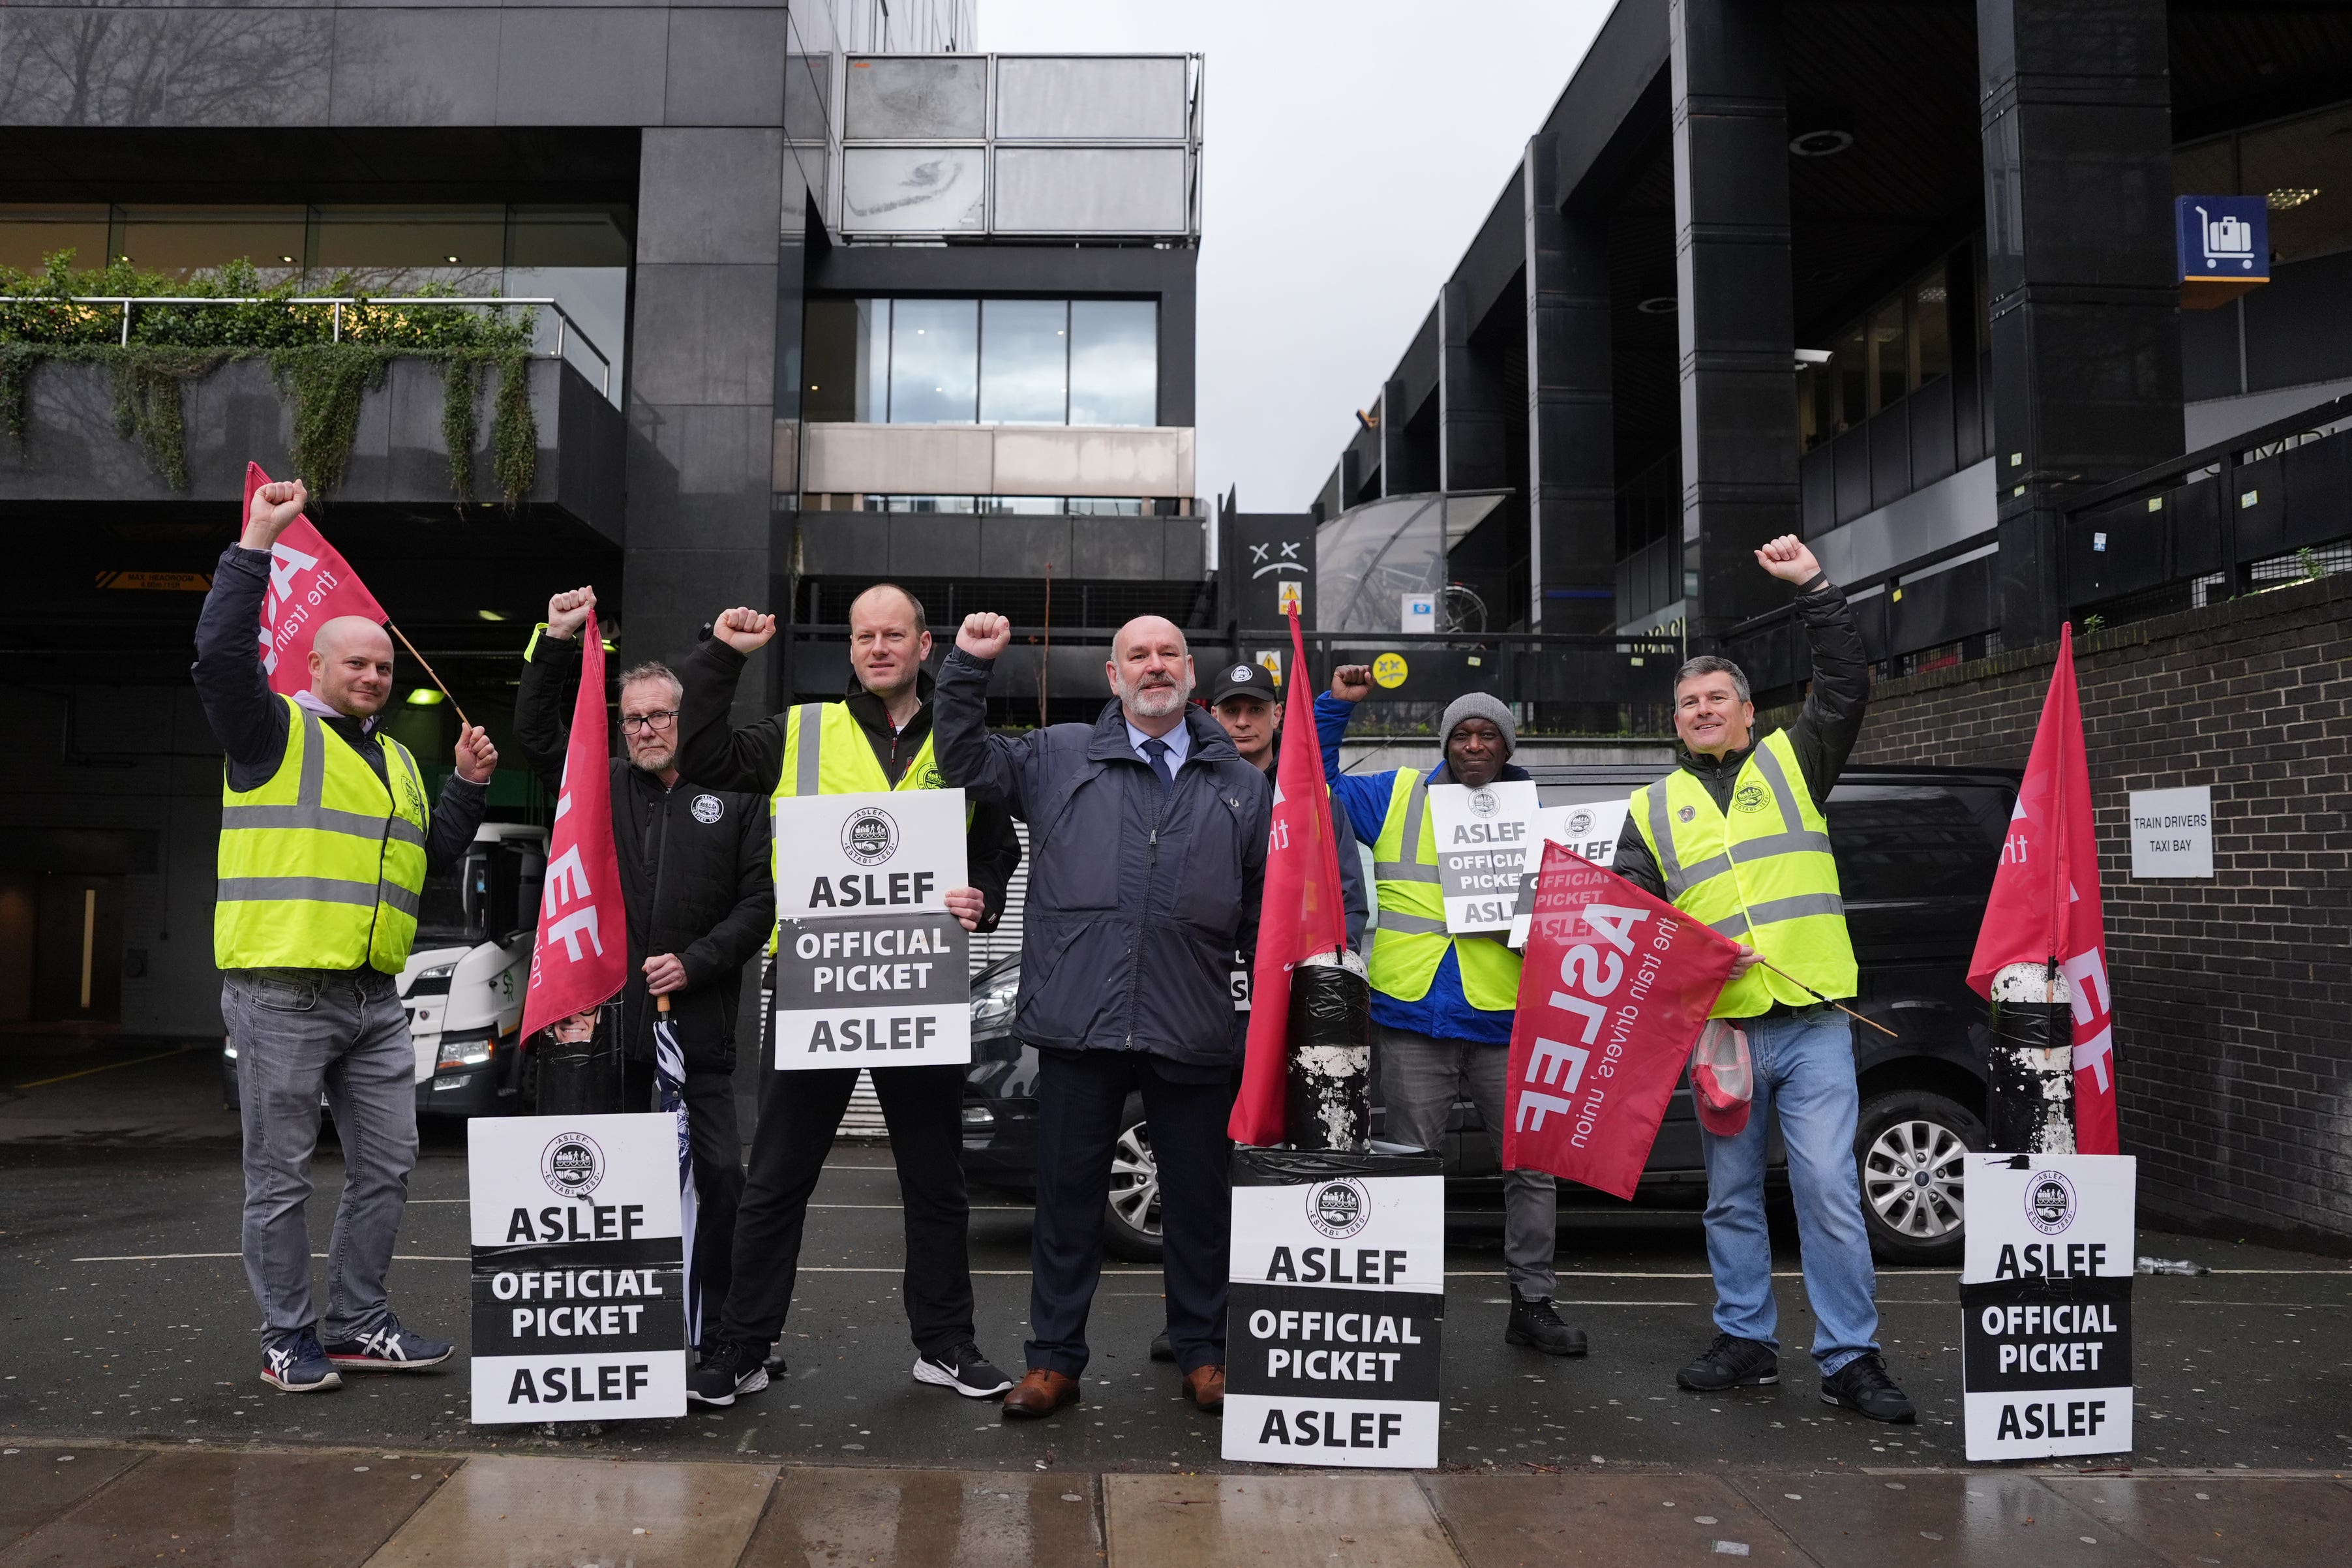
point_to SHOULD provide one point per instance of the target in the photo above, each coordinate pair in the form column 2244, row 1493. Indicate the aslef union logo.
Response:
column 573, row 1166
column 1242, row 672
column 708, row 809
column 1338, row 1209
column 1750, row 797
column 1580, row 822
column 870, row 836
column 1483, row 803
column 2050, row 1206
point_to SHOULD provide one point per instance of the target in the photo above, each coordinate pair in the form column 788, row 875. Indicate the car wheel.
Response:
column 1910, row 1147
column 1131, row 1217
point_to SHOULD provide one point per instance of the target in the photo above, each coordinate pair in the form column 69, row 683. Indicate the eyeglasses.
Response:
column 648, row 722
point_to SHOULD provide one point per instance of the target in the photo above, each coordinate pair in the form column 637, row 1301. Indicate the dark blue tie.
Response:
column 1155, row 750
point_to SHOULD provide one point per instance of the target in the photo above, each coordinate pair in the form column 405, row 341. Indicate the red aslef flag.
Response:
column 1301, row 913
column 1613, row 992
column 580, row 958
column 309, row 584
column 2045, row 907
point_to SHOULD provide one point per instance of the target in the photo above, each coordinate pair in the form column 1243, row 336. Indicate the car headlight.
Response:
column 991, row 1008
column 433, row 982
column 465, row 1049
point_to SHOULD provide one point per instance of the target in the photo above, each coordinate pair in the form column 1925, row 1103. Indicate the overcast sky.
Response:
column 1351, row 150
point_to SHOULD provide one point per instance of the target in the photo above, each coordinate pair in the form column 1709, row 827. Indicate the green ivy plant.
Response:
column 324, row 377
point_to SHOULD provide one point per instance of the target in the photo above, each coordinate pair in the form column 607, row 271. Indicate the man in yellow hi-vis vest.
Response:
column 1738, row 836
column 1442, row 1006
column 325, row 842
column 878, row 738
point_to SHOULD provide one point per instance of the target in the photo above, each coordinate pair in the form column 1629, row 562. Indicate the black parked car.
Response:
column 1916, row 848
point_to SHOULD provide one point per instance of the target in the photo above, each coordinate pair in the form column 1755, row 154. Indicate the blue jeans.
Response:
column 1804, row 1068
column 300, row 1032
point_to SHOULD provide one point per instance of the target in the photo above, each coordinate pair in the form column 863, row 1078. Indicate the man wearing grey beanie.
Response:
column 1443, row 1005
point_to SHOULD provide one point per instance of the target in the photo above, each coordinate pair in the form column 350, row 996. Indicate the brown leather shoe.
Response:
column 1206, row 1387
column 1040, row 1393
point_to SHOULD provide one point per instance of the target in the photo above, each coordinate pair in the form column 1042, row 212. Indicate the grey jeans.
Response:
column 299, row 1032
column 1418, row 1079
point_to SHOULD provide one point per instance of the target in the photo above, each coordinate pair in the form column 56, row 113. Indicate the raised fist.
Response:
column 476, row 757
column 745, row 631
column 569, row 611
column 275, row 507
column 1352, row 682
column 984, row 636
column 1787, row 559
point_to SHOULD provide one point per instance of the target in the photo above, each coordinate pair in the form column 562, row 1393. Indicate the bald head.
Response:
column 1151, row 672
column 350, row 666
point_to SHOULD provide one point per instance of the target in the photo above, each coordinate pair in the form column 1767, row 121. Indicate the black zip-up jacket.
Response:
column 250, row 722
column 714, row 754
column 1138, row 896
column 694, row 871
column 1823, row 734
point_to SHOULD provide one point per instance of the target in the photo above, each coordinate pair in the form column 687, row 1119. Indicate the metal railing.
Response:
column 565, row 327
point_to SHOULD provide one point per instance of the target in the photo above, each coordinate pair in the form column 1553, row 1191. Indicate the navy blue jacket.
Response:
column 1138, row 897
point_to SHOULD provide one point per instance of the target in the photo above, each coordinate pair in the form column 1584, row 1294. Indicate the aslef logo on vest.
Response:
column 1338, row 1209
column 572, row 1165
column 2050, row 1205
column 1750, row 797
column 869, row 837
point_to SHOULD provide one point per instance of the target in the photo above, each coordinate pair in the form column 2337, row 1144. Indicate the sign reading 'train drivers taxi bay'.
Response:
column 871, row 969
column 578, row 1268
column 1335, row 1309
column 1482, row 850
column 2045, row 1298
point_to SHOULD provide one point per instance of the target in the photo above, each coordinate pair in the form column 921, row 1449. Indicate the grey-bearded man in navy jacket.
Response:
column 1147, row 860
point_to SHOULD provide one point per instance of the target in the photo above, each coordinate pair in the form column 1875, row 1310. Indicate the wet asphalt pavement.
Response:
column 127, row 1317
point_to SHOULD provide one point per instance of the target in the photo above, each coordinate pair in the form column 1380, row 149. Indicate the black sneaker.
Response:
column 1536, row 1325
column 963, row 1369
column 1732, row 1363
column 388, row 1347
column 1863, row 1386
column 729, row 1367
column 299, row 1365
column 1160, row 1349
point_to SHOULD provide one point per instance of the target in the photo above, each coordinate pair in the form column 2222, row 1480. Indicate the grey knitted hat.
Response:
column 1478, row 705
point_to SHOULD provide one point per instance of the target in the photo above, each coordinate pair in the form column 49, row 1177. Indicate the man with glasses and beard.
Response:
column 1147, row 844
column 694, row 879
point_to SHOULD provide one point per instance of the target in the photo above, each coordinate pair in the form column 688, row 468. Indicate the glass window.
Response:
column 390, row 248
column 580, row 259
column 1114, row 361
column 2305, row 167
column 30, row 234
column 1931, row 330
column 1024, row 359
column 872, row 360
column 186, row 240
column 934, row 362
column 1890, row 355
column 1853, row 363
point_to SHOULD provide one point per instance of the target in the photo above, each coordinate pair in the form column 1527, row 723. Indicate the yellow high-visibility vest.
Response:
column 323, row 866
column 1410, row 940
column 1761, row 874
column 826, row 753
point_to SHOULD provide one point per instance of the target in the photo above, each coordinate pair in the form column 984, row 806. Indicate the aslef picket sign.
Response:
column 578, row 1268
column 1335, row 1309
column 1482, row 837
column 2045, row 1293
column 871, row 969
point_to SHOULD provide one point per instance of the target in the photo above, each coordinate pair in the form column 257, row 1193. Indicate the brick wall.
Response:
column 2233, row 997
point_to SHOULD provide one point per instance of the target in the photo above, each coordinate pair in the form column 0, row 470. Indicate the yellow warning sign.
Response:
column 157, row 582
column 1390, row 671
column 1289, row 597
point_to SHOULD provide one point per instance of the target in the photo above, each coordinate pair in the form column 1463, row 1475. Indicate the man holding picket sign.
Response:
column 1736, row 837
column 325, row 842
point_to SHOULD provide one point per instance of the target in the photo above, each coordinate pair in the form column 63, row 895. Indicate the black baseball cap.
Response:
column 1244, row 680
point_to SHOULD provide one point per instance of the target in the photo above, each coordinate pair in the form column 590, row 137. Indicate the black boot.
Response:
column 1863, row 1386
column 1536, row 1326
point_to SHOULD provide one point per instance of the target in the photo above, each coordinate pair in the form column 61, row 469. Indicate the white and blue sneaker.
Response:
column 388, row 1347
column 297, row 1365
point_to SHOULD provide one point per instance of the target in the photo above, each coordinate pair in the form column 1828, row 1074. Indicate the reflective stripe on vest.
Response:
column 1411, row 941
column 1763, row 874
column 321, row 865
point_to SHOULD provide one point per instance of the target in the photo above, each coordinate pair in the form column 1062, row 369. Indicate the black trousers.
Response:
column 1079, row 1096
column 799, row 1113
column 717, row 1148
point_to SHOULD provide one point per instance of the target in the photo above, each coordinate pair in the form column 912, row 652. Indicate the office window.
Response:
column 1024, row 362
column 993, row 361
column 29, row 236
column 1901, row 343
column 186, row 239
column 1931, row 328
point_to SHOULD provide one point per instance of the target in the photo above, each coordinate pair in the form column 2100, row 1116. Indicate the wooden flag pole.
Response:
column 428, row 670
column 1812, row 993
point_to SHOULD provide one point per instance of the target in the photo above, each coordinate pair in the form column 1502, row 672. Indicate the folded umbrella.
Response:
column 670, row 1074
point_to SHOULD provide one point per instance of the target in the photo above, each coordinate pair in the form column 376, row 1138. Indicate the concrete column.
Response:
column 2084, row 301
column 1395, row 477
column 1472, row 417
column 1571, row 435
column 1735, row 316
